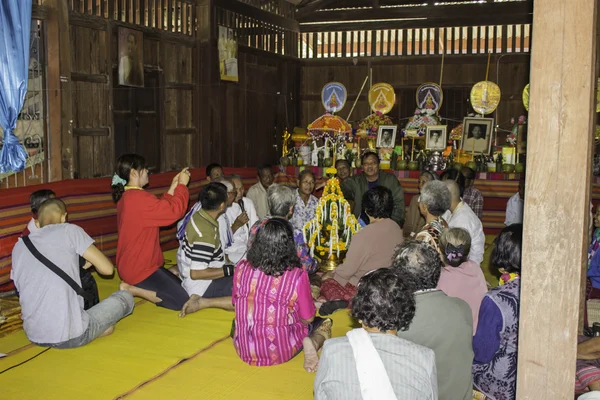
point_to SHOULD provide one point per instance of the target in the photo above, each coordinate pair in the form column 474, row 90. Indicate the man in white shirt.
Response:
column 514, row 207
column 243, row 220
column 258, row 192
column 461, row 216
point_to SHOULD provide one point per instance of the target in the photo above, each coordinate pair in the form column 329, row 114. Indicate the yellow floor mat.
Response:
column 155, row 355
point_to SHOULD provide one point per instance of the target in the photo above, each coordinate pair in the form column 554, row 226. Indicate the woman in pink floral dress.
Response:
column 274, row 309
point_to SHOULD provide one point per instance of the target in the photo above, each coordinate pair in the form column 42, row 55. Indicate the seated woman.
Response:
column 495, row 342
column 461, row 277
column 434, row 201
column 593, row 273
column 587, row 374
column 274, row 309
column 371, row 248
column 414, row 221
column 140, row 215
column 372, row 362
column 306, row 203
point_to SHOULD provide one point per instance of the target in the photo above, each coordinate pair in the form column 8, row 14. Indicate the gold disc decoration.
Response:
column 526, row 97
column 382, row 98
column 485, row 97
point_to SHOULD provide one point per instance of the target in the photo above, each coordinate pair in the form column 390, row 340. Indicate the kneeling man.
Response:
column 52, row 312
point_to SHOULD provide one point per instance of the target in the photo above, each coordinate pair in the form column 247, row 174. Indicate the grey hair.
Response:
column 436, row 197
column 419, row 263
column 280, row 198
column 227, row 182
column 456, row 237
column 453, row 189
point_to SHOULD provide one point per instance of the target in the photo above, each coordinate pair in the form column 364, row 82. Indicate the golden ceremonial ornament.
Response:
column 382, row 98
column 526, row 97
column 485, row 97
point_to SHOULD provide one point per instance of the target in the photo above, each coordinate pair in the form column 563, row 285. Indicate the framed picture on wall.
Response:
column 131, row 57
column 386, row 136
column 436, row 137
column 477, row 135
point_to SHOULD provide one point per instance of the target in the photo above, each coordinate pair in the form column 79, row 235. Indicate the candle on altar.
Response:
column 412, row 150
column 473, row 151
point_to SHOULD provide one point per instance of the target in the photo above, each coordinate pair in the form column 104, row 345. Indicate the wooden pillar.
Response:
column 205, row 57
column 557, row 200
column 58, row 78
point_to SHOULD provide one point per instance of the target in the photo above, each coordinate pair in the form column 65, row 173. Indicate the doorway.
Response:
column 137, row 119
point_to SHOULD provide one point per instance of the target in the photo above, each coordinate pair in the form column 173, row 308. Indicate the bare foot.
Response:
column 108, row 331
column 174, row 270
column 311, row 357
column 124, row 286
column 195, row 303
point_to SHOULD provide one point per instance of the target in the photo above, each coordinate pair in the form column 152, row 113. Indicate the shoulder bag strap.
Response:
column 51, row 266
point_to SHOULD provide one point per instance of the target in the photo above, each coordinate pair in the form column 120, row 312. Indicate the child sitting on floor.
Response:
column 53, row 313
column 274, row 309
column 35, row 201
column 461, row 277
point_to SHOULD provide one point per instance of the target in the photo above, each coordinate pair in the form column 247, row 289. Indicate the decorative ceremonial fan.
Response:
column 485, row 97
column 382, row 98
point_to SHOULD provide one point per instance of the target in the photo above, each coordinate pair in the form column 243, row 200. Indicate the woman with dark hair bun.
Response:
column 371, row 248
column 140, row 215
column 274, row 310
column 495, row 342
column 372, row 362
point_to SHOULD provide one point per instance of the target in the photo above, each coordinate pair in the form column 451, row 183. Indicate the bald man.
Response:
column 52, row 312
column 460, row 215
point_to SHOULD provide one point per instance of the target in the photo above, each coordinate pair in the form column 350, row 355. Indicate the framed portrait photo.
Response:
column 436, row 138
column 131, row 57
column 386, row 136
column 477, row 135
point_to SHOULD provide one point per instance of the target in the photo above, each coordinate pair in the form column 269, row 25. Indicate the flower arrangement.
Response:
column 333, row 226
column 370, row 125
column 422, row 118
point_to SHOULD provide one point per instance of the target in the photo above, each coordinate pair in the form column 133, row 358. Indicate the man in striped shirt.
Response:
column 200, row 258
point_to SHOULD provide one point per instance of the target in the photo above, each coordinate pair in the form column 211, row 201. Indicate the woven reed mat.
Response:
column 10, row 316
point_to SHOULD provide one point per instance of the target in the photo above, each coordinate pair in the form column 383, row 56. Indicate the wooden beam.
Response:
column 441, row 22
column 60, row 136
column 473, row 11
column 92, row 78
column 557, row 200
column 312, row 7
column 104, row 131
column 415, row 60
column 258, row 14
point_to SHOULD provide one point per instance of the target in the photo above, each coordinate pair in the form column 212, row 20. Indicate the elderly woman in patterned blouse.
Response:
column 434, row 201
column 306, row 203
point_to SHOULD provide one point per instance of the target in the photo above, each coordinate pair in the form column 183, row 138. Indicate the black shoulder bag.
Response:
column 88, row 289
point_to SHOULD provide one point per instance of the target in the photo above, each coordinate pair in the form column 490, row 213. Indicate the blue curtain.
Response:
column 15, row 25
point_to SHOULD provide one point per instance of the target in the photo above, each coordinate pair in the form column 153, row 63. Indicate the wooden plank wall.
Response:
column 405, row 74
column 242, row 122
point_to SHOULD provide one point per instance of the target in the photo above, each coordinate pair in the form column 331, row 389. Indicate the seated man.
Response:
column 213, row 172
column 471, row 195
column 514, row 207
column 356, row 186
column 35, row 201
column 460, row 215
column 53, row 314
column 200, row 258
column 443, row 324
column 258, row 192
column 281, row 202
column 242, row 222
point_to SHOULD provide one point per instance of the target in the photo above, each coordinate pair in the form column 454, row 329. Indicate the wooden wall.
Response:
column 242, row 123
column 200, row 118
column 405, row 74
